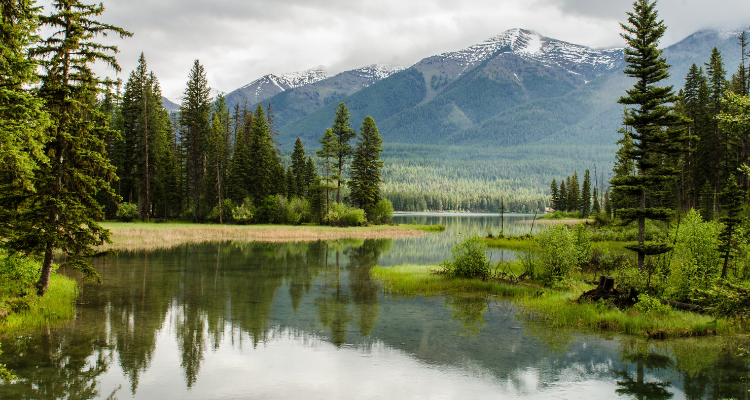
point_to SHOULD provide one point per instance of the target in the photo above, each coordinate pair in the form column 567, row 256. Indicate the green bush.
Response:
column 297, row 211
column 556, row 255
column 226, row 211
column 127, row 212
column 696, row 262
column 469, row 258
column 651, row 305
column 343, row 215
column 243, row 213
column 381, row 212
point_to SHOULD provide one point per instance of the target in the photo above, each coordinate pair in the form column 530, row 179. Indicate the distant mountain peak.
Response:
column 531, row 45
column 291, row 80
column 377, row 72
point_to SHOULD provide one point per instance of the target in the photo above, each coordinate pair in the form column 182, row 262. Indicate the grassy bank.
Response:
column 57, row 305
column 555, row 308
column 525, row 243
column 152, row 236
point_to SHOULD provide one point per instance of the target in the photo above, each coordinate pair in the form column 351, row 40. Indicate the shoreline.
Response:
column 135, row 236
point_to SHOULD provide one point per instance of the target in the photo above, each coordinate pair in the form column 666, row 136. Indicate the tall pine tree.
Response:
column 365, row 176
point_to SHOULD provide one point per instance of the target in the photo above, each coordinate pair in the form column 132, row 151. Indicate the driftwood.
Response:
column 3, row 313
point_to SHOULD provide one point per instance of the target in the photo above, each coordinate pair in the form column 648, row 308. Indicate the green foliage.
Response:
column 127, row 212
column 18, row 274
column 297, row 211
column 343, row 215
column 243, row 212
column 651, row 306
column 558, row 251
column 469, row 258
column 724, row 299
column 381, row 212
column 696, row 261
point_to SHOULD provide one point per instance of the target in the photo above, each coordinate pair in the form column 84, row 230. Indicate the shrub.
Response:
column 127, row 212
column 381, row 212
column 343, row 215
column 651, row 305
column 297, row 211
column 243, row 213
column 696, row 262
column 556, row 256
column 469, row 259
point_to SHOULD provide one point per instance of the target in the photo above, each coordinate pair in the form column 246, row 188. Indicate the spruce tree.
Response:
column 23, row 120
column 343, row 134
column 585, row 201
column 365, row 177
column 554, row 194
column 310, row 174
column 291, row 183
column 62, row 214
column 731, row 200
column 262, row 156
column 194, row 118
column 649, row 114
column 298, row 166
column 563, row 199
column 574, row 193
column 326, row 153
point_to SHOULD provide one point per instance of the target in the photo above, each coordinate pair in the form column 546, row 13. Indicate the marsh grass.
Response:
column 153, row 236
column 526, row 243
column 554, row 308
column 57, row 305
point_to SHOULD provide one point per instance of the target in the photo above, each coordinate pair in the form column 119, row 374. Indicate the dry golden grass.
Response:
column 150, row 236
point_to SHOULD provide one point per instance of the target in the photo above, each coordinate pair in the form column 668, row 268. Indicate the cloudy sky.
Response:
column 239, row 41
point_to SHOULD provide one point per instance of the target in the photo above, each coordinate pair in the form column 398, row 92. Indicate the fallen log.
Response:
column 683, row 306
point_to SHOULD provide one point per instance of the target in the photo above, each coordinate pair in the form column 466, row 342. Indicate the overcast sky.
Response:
column 239, row 41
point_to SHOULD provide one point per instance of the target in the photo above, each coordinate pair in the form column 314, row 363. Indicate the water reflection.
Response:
column 304, row 320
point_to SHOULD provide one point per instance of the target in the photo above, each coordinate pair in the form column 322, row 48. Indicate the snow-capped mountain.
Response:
column 531, row 45
column 375, row 72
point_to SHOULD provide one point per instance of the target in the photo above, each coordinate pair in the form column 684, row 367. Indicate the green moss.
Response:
column 57, row 305
column 553, row 308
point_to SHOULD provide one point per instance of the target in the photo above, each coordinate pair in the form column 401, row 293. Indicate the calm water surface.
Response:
column 304, row 321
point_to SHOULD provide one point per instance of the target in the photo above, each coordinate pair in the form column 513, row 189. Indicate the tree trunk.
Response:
column 43, row 284
column 642, row 232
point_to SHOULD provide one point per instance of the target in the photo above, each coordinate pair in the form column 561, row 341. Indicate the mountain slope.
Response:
column 460, row 90
column 269, row 85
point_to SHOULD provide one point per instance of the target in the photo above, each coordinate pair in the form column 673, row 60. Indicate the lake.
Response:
column 305, row 321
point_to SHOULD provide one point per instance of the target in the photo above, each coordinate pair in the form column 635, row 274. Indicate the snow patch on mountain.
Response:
column 288, row 80
column 531, row 45
column 376, row 72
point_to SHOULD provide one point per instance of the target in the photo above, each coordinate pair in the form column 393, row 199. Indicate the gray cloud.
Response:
column 238, row 41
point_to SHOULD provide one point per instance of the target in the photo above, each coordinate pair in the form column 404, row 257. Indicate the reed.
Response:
column 152, row 236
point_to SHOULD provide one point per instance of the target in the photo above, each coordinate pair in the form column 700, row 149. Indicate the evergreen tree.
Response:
column 343, row 134
column 731, row 200
column 216, row 162
column 586, row 195
column 238, row 177
column 574, row 193
column 291, row 183
column 23, row 120
column 706, row 202
column 554, row 194
column 310, row 174
column 562, row 202
column 62, row 214
column 650, row 114
column 194, row 118
column 365, row 176
column 262, row 155
column 623, row 168
column 326, row 153
column 298, row 167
